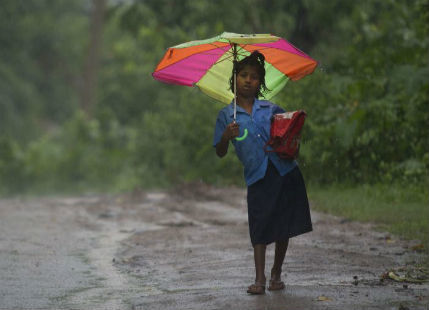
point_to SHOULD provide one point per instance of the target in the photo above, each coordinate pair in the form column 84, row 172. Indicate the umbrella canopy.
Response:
column 208, row 63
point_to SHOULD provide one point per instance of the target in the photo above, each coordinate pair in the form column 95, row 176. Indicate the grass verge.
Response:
column 403, row 211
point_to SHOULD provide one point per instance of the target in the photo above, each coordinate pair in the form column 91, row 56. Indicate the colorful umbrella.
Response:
column 208, row 63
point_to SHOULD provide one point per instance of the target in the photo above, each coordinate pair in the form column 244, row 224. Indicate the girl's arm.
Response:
column 231, row 131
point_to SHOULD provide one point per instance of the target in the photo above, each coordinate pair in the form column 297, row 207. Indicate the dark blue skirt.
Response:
column 278, row 207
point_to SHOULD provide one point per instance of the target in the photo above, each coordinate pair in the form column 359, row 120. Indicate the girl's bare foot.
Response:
column 257, row 288
column 276, row 283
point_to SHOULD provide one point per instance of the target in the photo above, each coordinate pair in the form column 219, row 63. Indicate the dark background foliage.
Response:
column 367, row 102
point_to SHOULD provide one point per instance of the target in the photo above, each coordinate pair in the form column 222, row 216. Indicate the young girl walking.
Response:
column 276, row 196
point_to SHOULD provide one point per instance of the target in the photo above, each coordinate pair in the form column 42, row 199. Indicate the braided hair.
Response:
column 257, row 60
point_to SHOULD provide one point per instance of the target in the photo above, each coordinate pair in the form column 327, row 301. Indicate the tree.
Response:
column 90, row 74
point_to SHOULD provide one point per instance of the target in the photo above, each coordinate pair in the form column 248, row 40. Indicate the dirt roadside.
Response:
column 187, row 249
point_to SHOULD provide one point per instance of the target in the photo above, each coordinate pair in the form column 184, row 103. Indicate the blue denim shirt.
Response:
column 250, row 151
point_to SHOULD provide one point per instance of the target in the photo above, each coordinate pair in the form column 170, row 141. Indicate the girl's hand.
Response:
column 231, row 131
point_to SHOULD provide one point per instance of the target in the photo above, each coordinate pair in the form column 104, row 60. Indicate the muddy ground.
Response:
column 187, row 249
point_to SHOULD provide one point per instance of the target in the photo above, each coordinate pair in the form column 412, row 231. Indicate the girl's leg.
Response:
column 279, row 257
column 276, row 271
column 259, row 255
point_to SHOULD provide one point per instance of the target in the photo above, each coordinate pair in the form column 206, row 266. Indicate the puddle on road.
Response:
column 114, row 288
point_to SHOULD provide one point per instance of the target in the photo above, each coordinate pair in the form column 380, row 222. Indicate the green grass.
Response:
column 403, row 211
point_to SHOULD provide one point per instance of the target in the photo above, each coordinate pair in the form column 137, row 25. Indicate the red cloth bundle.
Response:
column 285, row 133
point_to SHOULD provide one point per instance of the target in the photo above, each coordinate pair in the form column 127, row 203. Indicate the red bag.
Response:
column 286, row 134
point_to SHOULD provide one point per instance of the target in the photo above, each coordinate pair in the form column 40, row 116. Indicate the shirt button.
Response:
column 259, row 135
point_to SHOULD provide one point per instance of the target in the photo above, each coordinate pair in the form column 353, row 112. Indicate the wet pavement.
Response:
column 188, row 249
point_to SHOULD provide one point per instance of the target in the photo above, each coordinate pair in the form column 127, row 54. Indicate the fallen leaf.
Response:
column 323, row 298
column 384, row 276
column 392, row 275
column 418, row 247
column 395, row 277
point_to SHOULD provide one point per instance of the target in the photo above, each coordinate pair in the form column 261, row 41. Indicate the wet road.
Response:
column 187, row 249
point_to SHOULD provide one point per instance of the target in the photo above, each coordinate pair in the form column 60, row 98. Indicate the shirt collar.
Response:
column 257, row 105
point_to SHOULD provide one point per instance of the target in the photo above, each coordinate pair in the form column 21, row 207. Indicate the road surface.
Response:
column 188, row 249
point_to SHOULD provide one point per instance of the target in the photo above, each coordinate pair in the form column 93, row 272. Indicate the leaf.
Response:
column 395, row 277
column 392, row 275
column 323, row 298
column 418, row 247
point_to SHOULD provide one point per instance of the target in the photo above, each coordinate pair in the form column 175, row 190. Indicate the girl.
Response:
column 276, row 196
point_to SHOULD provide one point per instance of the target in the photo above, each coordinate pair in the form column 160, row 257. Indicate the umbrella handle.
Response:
column 244, row 136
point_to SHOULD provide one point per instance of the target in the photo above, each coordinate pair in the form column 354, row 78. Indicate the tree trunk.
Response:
column 90, row 74
column 302, row 34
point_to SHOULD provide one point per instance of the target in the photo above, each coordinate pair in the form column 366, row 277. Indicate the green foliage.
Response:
column 11, row 173
column 178, row 141
column 368, row 108
column 399, row 208
column 41, row 45
column 367, row 103
column 83, row 155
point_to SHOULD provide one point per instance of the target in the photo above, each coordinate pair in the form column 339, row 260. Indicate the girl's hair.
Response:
column 256, row 59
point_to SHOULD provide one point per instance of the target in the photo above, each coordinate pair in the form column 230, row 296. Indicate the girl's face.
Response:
column 248, row 82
